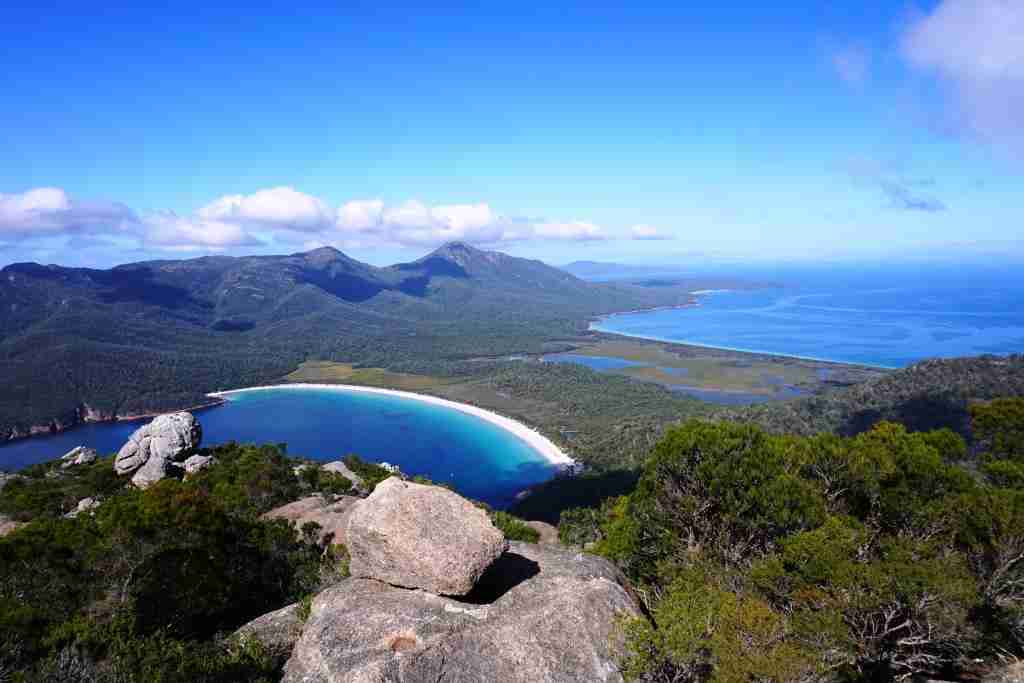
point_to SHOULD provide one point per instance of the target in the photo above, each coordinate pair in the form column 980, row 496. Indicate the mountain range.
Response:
column 79, row 344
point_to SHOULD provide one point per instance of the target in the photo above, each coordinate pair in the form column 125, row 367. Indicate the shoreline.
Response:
column 147, row 416
column 56, row 427
column 593, row 327
column 531, row 437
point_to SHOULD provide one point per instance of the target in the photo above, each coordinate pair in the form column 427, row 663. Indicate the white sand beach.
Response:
column 537, row 441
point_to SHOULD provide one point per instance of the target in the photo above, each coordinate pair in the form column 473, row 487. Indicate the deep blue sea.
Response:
column 481, row 460
column 884, row 316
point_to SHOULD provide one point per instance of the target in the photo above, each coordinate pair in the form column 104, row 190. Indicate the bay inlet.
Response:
column 483, row 455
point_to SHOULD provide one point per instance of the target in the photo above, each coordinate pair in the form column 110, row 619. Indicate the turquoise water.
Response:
column 481, row 460
column 883, row 317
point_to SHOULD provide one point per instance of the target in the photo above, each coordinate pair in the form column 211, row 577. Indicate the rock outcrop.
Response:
column 276, row 631
column 78, row 456
column 196, row 463
column 84, row 505
column 158, row 447
column 539, row 613
column 332, row 516
column 419, row 536
column 339, row 467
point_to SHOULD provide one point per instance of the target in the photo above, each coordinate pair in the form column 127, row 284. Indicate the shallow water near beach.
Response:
column 481, row 460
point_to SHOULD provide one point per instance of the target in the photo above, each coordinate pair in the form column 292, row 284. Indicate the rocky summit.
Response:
column 419, row 536
column 152, row 450
column 539, row 613
column 532, row 613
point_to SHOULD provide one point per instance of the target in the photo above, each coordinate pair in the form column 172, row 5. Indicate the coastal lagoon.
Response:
column 882, row 317
column 482, row 460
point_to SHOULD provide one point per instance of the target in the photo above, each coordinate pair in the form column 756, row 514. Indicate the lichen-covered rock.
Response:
column 195, row 463
column 539, row 613
column 154, row 449
column 78, row 456
column 420, row 536
column 332, row 516
column 276, row 631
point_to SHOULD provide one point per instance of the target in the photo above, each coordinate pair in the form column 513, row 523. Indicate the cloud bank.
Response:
column 46, row 211
column 279, row 214
column 976, row 47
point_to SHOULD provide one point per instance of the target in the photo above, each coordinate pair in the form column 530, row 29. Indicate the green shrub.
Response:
column 53, row 496
column 514, row 528
column 370, row 473
column 579, row 526
column 765, row 557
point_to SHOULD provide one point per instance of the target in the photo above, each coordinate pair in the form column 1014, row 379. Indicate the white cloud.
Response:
column 360, row 215
column 281, row 216
column 573, row 231
column 413, row 223
column 168, row 229
column 977, row 47
column 49, row 211
column 276, row 207
column 647, row 232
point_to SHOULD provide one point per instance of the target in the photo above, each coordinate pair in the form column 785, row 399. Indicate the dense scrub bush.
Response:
column 514, row 528
column 765, row 557
column 34, row 494
column 140, row 589
column 314, row 477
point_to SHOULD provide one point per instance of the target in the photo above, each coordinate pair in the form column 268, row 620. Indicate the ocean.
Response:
column 883, row 316
column 481, row 460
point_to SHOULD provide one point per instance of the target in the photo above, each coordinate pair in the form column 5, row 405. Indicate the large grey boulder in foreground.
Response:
column 540, row 613
column 155, row 448
column 420, row 536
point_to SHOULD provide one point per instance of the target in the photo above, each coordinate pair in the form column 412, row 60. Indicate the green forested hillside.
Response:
column 927, row 395
column 153, row 336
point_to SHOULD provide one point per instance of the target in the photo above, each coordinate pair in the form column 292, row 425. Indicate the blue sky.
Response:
column 643, row 133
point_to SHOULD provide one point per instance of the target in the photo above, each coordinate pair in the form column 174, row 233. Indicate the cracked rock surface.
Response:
column 539, row 613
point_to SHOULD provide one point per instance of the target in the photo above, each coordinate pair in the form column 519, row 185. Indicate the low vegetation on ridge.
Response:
column 149, row 584
column 786, row 558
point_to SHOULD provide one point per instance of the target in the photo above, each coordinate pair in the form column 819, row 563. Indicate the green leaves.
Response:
column 769, row 557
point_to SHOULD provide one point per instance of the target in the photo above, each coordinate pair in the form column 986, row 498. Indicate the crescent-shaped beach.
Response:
column 534, row 439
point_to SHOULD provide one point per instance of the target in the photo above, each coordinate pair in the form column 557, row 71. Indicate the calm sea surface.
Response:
column 885, row 317
column 481, row 460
